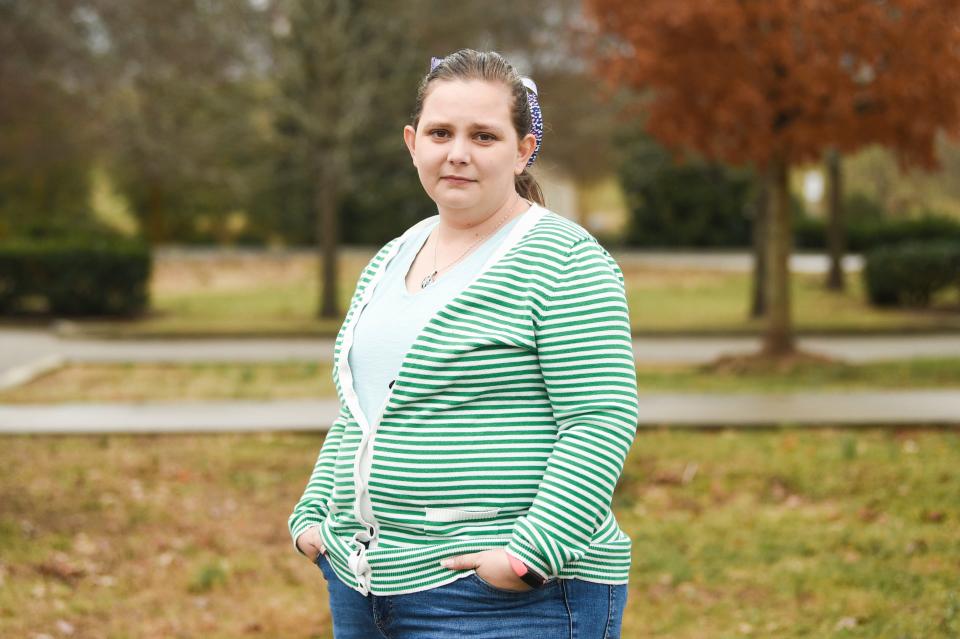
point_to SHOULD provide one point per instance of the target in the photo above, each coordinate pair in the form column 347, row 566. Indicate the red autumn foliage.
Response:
column 750, row 81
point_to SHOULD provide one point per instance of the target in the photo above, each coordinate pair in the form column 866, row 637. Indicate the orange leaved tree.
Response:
column 774, row 83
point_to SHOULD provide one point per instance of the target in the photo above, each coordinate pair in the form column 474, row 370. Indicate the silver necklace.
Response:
column 432, row 277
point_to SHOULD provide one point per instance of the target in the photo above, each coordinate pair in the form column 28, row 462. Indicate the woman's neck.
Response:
column 455, row 229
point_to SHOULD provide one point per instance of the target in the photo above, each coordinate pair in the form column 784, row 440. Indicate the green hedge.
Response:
column 911, row 273
column 75, row 277
column 865, row 234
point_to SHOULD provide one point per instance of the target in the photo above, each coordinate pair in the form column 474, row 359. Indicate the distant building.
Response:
column 600, row 207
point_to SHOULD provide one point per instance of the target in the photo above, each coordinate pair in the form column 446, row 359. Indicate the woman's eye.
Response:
column 444, row 134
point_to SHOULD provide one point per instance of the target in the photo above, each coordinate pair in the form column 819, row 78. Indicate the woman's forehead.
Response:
column 467, row 100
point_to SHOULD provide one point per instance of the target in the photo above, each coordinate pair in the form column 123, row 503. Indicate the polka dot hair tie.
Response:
column 536, row 117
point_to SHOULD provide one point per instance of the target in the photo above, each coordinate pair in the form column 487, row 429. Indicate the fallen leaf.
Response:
column 846, row 623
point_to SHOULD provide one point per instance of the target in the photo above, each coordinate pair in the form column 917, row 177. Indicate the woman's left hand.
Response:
column 493, row 566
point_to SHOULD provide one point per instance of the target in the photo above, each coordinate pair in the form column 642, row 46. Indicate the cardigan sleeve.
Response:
column 585, row 349
column 312, row 509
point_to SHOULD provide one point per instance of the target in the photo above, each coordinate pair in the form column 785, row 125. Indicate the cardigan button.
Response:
column 390, row 385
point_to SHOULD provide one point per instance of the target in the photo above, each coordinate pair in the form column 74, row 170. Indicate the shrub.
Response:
column 910, row 273
column 696, row 205
column 80, row 276
column 864, row 234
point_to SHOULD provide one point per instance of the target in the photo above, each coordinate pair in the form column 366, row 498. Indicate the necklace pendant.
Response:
column 428, row 280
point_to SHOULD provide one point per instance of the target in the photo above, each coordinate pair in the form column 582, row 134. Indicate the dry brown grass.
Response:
column 230, row 273
column 776, row 534
column 143, row 382
column 761, row 363
column 313, row 380
column 645, row 278
column 154, row 537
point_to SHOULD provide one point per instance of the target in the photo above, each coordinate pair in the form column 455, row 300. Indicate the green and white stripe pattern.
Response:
column 507, row 426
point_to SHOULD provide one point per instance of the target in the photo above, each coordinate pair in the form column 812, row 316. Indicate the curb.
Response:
column 193, row 417
column 28, row 372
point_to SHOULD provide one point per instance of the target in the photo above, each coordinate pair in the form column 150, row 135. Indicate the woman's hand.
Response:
column 310, row 543
column 493, row 566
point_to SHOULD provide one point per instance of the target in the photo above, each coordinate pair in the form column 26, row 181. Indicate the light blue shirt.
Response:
column 394, row 317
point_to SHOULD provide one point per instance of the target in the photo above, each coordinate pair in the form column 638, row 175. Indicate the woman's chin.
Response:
column 450, row 201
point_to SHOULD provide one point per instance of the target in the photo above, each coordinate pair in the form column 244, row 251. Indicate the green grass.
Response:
column 252, row 298
column 263, row 309
column 142, row 382
column 777, row 533
column 718, row 303
column 793, row 534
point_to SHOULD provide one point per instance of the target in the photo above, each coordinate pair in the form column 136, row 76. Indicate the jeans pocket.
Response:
column 502, row 591
column 320, row 562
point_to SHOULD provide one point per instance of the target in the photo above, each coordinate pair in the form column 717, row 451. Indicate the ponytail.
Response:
column 528, row 187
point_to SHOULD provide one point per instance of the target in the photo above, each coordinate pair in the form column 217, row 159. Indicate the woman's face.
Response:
column 465, row 147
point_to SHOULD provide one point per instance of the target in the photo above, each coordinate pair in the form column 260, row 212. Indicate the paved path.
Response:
column 734, row 262
column 697, row 350
column 168, row 417
column 24, row 353
column 19, row 348
column 699, row 410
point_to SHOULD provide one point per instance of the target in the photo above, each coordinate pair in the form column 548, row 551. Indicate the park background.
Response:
column 189, row 190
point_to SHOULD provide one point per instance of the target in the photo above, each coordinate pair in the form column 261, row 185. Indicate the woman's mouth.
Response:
column 456, row 180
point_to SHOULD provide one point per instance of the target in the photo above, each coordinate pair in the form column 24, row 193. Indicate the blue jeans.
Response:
column 470, row 608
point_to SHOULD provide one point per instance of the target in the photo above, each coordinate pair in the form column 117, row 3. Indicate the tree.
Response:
column 775, row 83
column 177, row 104
column 836, row 236
column 759, row 210
column 44, row 113
column 332, row 56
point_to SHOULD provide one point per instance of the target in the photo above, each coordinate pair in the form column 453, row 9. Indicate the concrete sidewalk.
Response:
column 24, row 347
column 895, row 408
column 168, row 417
column 855, row 350
column 25, row 353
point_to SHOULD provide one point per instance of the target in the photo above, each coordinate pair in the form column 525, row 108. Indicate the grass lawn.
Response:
column 140, row 382
column 276, row 296
column 705, row 302
column 778, row 533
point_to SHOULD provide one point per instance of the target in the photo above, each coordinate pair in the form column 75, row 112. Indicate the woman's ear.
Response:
column 410, row 139
column 525, row 149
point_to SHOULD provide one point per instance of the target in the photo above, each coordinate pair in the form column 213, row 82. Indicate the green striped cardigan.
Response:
column 507, row 425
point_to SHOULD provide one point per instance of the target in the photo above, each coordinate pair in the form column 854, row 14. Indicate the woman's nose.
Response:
column 459, row 151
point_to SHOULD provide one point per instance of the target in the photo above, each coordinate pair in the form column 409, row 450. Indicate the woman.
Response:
column 487, row 397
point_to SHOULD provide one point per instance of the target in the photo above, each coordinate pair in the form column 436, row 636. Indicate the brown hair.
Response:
column 490, row 66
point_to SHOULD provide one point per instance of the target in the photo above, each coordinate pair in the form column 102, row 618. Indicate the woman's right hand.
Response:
column 310, row 543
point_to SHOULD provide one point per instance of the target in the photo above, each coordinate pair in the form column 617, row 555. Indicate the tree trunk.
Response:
column 836, row 236
column 778, row 339
column 761, row 213
column 156, row 216
column 328, row 241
